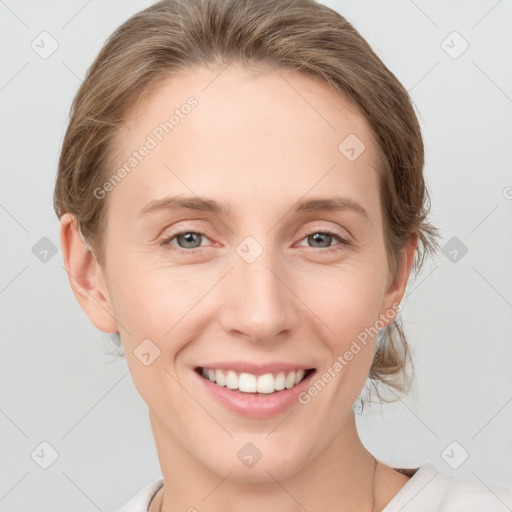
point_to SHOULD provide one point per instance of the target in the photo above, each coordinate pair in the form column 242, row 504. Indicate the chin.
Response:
column 249, row 463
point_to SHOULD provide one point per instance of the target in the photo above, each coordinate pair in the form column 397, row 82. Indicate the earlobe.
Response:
column 83, row 268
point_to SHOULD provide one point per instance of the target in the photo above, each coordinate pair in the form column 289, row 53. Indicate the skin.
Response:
column 259, row 141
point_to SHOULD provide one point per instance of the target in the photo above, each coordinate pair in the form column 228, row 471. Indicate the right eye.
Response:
column 184, row 242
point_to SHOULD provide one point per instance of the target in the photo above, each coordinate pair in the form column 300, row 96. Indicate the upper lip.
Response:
column 256, row 368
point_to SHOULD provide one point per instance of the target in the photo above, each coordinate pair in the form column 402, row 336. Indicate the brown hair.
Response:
column 296, row 34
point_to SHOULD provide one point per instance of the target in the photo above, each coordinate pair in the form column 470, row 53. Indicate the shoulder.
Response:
column 428, row 490
column 140, row 501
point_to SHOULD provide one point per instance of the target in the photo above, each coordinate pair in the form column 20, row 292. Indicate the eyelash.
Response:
column 334, row 248
column 166, row 242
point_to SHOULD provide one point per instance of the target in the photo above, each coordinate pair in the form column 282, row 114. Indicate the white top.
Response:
column 426, row 491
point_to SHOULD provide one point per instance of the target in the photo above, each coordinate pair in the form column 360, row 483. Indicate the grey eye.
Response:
column 190, row 240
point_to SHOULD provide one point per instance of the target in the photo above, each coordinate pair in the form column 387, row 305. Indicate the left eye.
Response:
column 323, row 239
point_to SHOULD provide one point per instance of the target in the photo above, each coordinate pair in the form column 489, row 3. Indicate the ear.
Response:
column 86, row 276
column 396, row 288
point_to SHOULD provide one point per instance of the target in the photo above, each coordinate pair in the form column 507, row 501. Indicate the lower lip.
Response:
column 254, row 405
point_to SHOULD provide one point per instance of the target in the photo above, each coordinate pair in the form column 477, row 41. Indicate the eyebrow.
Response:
column 336, row 203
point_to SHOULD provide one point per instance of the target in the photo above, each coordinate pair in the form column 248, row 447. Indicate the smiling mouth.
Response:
column 257, row 384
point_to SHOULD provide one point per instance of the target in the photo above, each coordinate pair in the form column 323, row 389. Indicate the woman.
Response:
column 242, row 199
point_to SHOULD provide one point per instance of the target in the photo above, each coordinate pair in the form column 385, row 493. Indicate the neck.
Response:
column 340, row 478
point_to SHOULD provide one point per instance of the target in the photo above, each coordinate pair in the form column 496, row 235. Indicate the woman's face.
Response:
column 247, row 237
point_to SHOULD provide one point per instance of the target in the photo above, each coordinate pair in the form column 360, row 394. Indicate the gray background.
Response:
column 60, row 386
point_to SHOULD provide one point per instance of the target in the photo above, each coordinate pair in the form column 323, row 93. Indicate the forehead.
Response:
column 272, row 129
column 262, row 97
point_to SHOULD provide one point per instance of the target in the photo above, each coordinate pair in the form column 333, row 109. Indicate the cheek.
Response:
column 346, row 300
column 149, row 303
column 158, row 311
column 156, row 303
column 348, row 303
column 149, row 306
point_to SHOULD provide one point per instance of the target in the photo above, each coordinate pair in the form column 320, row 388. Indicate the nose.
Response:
column 259, row 304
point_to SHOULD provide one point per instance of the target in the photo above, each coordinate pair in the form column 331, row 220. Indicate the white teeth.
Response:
column 265, row 383
column 249, row 383
column 299, row 376
column 290, row 380
column 220, row 379
column 280, row 381
column 231, row 380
